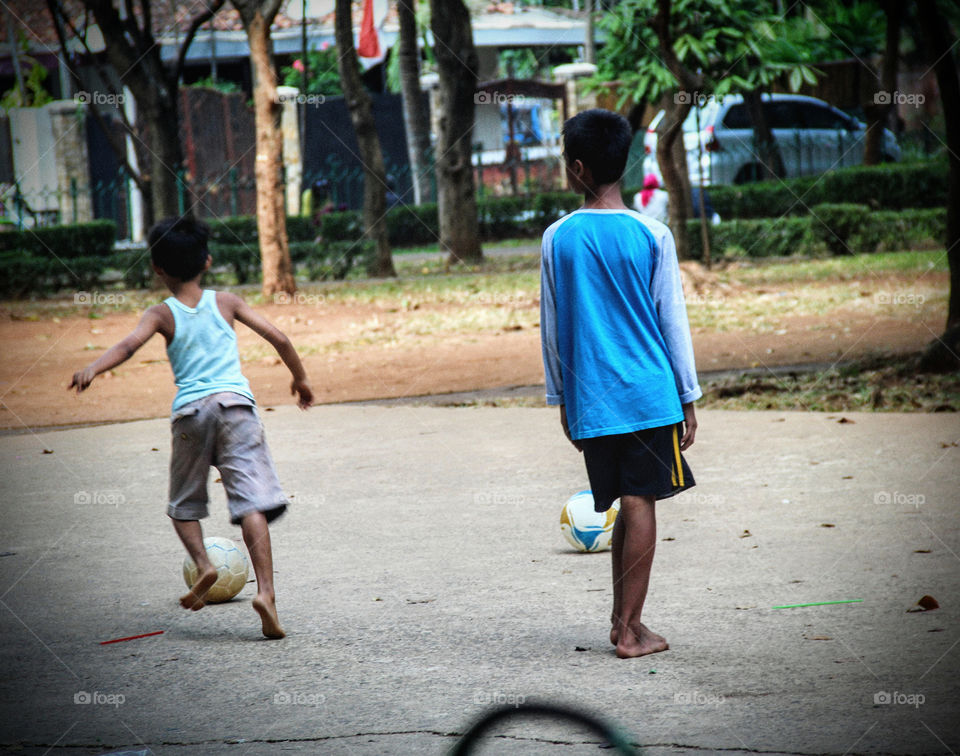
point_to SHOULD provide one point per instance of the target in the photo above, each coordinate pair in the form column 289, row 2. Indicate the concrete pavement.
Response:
column 422, row 576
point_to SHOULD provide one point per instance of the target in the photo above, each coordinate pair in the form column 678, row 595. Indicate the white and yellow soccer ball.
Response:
column 232, row 569
column 584, row 528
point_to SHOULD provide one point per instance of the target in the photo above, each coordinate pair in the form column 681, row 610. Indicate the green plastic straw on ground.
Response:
column 818, row 603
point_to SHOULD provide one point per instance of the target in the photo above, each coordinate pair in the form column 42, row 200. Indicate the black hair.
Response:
column 178, row 245
column 600, row 139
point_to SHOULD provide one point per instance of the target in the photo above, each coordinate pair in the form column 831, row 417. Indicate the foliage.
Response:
column 93, row 239
column 833, row 223
column 323, row 77
column 835, row 227
column 520, row 63
column 890, row 186
column 731, row 43
column 220, row 85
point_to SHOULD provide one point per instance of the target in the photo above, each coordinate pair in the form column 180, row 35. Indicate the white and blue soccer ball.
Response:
column 584, row 528
column 232, row 569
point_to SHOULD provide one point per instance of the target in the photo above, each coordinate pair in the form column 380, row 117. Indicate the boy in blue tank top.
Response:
column 618, row 358
column 214, row 419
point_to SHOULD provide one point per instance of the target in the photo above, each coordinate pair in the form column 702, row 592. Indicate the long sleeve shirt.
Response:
column 613, row 322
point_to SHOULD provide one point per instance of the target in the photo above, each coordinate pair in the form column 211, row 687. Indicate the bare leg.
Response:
column 256, row 535
column 191, row 535
column 639, row 542
column 616, row 545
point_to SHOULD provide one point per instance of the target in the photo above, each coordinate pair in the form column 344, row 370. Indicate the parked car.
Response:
column 812, row 135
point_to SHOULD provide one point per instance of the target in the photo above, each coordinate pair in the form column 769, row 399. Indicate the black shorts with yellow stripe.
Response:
column 642, row 463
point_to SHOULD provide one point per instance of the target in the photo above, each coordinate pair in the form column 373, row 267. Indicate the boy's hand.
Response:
column 566, row 428
column 689, row 426
column 82, row 378
column 305, row 392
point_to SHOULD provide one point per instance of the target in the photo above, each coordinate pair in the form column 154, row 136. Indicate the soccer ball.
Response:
column 231, row 567
column 585, row 528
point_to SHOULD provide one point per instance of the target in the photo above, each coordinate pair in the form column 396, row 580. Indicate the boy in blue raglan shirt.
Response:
column 618, row 358
column 214, row 419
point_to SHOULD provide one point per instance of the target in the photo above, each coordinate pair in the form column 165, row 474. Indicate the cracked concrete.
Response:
column 422, row 576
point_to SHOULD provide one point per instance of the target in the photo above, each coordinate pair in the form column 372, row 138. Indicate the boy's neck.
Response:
column 187, row 292
column 604, row 197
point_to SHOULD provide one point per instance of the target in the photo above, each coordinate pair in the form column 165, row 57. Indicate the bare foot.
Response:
column 193, row 599
column 267, row 609
column 614, row 635
column 646, row 642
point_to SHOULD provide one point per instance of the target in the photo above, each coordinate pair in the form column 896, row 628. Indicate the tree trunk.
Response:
column 166, row 158
column 676, row 178
column 938, row 45
column 416, row 113
column 271, row 213
column 457, row 64
column 767, row 151
column 361, row 114
column 877, row 108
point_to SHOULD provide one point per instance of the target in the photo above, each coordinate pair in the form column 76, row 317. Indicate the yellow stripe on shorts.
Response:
column 678, row 466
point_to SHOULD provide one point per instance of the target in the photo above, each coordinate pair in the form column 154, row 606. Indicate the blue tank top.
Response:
column 203, row 352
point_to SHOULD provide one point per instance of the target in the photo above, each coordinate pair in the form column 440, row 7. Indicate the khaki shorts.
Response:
column 224, row 431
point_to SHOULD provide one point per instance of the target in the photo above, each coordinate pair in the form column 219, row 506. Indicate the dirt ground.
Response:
column 365, row 351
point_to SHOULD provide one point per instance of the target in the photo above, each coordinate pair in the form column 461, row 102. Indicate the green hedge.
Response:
column 328, row 260
column 22, row 273
column 833, row 223
column 854, row 230
column 94, row 239
column 890, row 186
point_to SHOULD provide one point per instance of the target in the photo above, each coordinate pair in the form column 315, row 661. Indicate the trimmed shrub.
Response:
column 773, row 237
column 93, row 239
column 891, row 186
column 834, row 223
column 892, row 230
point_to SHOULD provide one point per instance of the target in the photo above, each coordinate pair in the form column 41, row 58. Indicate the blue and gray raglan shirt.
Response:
column 613, row 323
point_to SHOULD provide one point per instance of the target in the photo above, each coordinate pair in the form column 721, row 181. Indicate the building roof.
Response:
column 498, row 25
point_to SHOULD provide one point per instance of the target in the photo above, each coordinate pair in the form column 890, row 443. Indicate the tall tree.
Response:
column 457, row 67
column 134, row 54
column 416, row 115
column 877, row 109
column 944, row 353
column 361, row 114
column 676, row 52
column 257, row 16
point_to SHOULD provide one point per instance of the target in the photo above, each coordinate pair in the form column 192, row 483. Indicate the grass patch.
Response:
column 881, row 383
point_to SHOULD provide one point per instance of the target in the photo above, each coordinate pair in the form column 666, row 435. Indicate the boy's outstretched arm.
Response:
column 149, row 324
column 278, row 339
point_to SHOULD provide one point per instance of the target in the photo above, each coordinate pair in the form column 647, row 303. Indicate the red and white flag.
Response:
column 368, row 47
